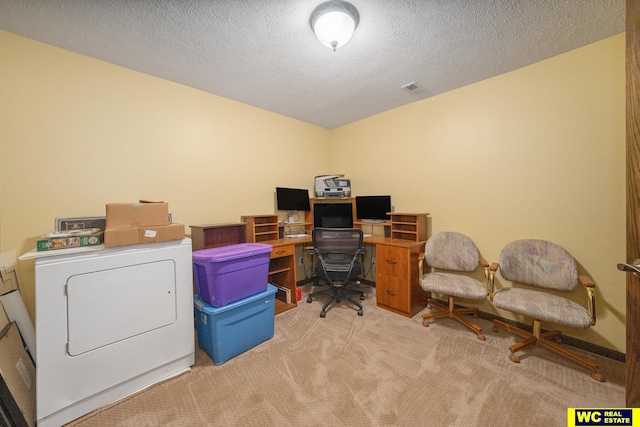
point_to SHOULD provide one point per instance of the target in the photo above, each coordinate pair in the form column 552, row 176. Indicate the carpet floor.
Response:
column 380, row 369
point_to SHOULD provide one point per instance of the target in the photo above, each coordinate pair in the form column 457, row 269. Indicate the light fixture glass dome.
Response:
column 334, row 23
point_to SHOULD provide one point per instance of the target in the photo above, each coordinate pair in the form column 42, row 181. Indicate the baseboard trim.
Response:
column 573, row 342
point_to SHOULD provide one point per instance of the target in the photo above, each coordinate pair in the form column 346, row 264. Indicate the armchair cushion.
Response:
column 543, row 306
column 449, row 250
column 539, row 263
column 455, row 285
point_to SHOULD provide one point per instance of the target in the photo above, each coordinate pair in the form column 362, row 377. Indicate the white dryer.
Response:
column 109, row 323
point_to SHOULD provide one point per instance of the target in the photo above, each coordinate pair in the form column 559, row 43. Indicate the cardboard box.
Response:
column 127, row 215
column 121, row 237
column 48, row 243
column 18, row 372
column 161, row 233
column 138, row 235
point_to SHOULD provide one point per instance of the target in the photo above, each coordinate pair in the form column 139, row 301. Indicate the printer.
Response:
column 332, row 186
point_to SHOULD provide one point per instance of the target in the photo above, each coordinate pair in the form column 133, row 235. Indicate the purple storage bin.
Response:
column 230, row 273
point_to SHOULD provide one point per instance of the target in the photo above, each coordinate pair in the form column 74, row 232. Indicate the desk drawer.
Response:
column 392, row 292
column 392, row 261
column 280, row 251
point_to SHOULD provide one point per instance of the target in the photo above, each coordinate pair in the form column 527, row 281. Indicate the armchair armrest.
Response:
column 591, row 294
column 492, row 274
column 483, row 262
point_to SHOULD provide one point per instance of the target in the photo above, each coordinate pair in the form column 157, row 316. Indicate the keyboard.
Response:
column 296, row 235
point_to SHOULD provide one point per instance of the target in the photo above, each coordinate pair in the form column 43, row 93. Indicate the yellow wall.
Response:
column 538, row 152
column 535, row 153
column 78, row 133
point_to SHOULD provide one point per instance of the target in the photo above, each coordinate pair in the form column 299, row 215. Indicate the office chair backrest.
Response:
column 337, row 250
column 449, row 250
column 539, row 263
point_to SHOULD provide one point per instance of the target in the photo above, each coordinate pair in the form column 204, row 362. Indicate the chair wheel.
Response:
column 360, row 312
column 338, row 299
column 425, row 323
column 597, row 376
column 481, row 337
column 309, row 299
column 323, row 314
column 361, row 297
column 495, row 328
column 475, row 315
column 514, row 358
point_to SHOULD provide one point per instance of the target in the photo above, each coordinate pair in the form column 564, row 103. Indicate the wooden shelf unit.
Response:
column 261, row 228
column 216, row 235
column 409, row 226
column 282, row 272
column 363, row 225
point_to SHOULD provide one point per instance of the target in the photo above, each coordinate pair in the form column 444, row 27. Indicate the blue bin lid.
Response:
column 226, row 253
column 208, row 309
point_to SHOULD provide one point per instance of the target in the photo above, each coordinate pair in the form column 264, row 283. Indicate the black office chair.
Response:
column 337, row 251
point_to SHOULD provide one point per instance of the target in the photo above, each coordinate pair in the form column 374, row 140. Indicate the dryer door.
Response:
column 107, row 306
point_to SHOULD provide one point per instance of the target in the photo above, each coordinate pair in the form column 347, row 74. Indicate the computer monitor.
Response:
column 292, row 199
column 373, row 207
column 332, row 215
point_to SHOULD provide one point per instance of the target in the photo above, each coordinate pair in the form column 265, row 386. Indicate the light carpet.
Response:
column 381, row 369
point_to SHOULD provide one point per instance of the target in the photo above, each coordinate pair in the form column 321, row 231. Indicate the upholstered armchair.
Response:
column 539, row 266
column 448, row 256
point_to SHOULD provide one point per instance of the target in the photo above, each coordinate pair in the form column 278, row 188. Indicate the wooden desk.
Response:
column 397, row 283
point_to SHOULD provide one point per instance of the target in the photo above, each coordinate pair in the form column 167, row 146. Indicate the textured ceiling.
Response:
column 264, row 53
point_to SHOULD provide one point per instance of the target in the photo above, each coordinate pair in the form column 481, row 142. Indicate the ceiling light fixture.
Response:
column 334, row 23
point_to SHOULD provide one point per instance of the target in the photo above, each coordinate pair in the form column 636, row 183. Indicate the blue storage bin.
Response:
column 228, row 331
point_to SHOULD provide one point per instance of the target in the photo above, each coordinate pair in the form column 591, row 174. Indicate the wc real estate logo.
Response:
column 603, row 417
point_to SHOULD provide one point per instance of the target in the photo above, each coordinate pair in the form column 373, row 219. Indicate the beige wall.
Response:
column 538, row 152
column 78, row 133
column 535, row 153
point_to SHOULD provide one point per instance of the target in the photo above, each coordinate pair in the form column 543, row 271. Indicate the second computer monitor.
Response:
column 332, row 215
column 373, row 207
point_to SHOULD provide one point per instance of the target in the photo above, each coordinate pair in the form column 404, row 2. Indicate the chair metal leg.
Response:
column 454, row 313
column 335, row 293
column 543, row 340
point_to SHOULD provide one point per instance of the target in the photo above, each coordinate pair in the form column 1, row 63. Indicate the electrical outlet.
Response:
column 301, row 261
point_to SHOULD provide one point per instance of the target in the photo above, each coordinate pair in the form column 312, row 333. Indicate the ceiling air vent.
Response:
column 413, row 88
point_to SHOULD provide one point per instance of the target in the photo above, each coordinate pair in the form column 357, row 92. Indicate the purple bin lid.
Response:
column 226, row 253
